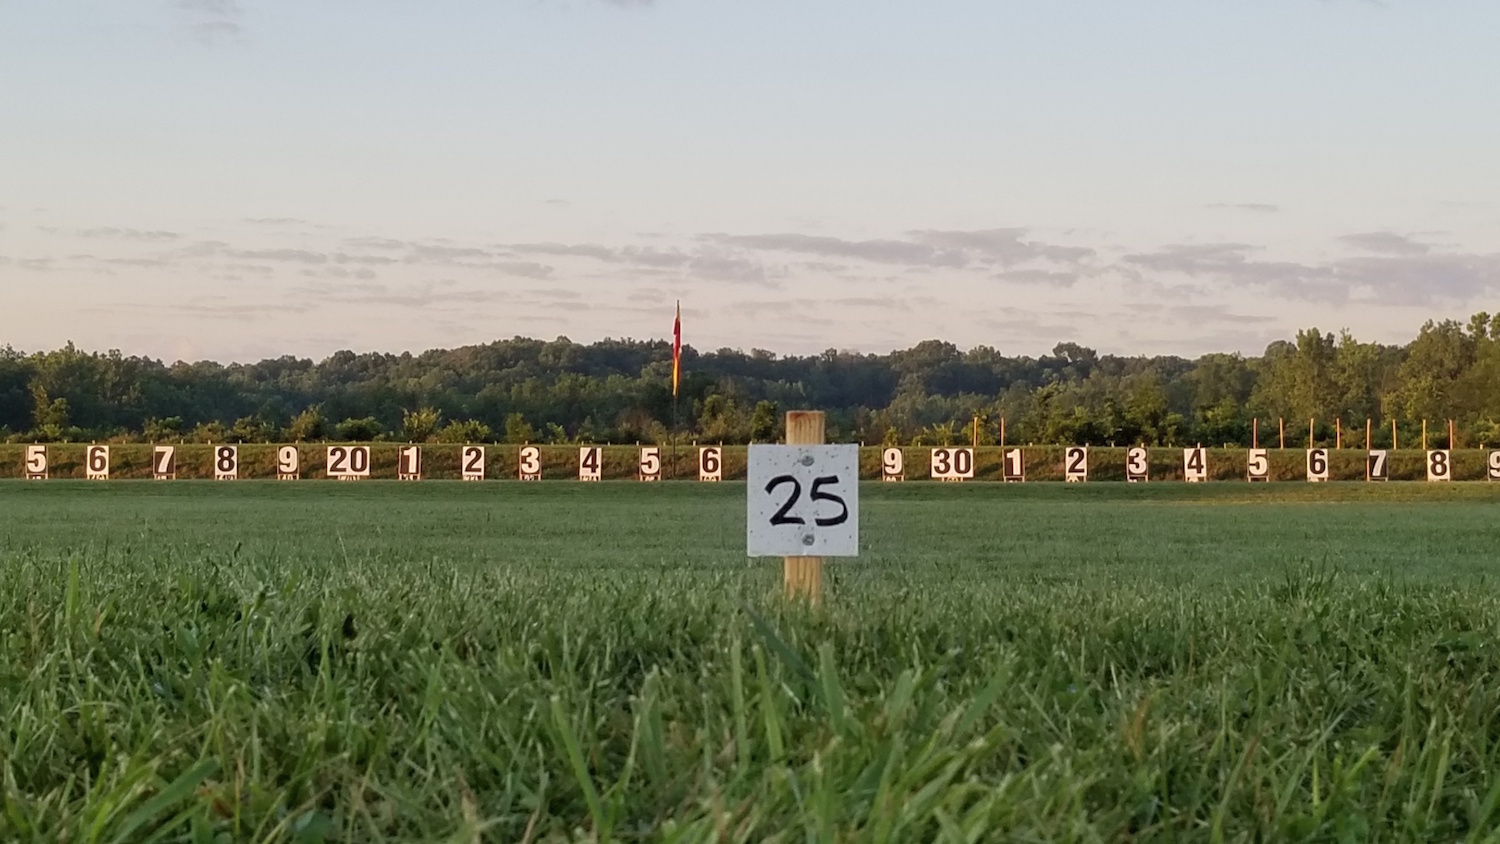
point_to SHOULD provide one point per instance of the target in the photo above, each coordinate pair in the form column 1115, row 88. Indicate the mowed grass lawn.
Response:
column 557, row 661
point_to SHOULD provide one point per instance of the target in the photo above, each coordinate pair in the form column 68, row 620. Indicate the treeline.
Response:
column 525, row 390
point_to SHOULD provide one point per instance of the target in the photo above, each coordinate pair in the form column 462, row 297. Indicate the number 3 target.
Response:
column 226, row 463
column 892, row 465
column 529, row 466
column 36, row 463
column 1137, row 465
column 1439, row 466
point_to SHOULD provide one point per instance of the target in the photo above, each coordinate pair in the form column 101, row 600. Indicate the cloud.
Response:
column 128, row 234
column 525, row 269
column 726, row 267
column 878, row 251
column 1055, row 278
column 300, row 256
column 376, row 243
column 1007, row 246
column 275, row 221
column 1386, row 243
column 215, row 21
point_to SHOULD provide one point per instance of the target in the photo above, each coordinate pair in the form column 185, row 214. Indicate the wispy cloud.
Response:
column 1252, row 207
column 1386, row 243
column 214, row 21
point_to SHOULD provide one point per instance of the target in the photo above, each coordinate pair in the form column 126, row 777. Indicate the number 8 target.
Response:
column 1439, row 466
column 226, row 463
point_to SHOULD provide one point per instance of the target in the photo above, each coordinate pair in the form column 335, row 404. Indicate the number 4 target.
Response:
column 590, row 463
column 1195, row 465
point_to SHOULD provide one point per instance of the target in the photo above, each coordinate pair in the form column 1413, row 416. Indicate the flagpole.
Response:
column 676, row 376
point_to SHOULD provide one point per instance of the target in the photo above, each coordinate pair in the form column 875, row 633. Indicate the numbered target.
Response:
column 96, row 462
column 1013, row 466
column 1137, row 465
column 471, row 463
column 648, row 464
column 164, row 463
column 35, row 466
column 1439, row 466
column 590, row 463
column 1076, row 464
column 349, row 462
column 1195, row 465
column 711, row 463
column 409, row 463
column 529, row 463
column 1317, row 465
column 1492, row 466
column 226, row 463
column 892, row 465
column 288, row 463
column 952, row 464
column 1258, row 465
column 1377, row 466
column 802, row 500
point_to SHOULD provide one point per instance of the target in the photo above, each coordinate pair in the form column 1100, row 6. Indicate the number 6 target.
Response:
column 529, row 466
column 226, row 463
column 711, row 464
column 36, row 463
column 1439, row 466
column 1137, row 465
column 1317, row 465
column 1076, row 464
column 892, row 465
column 96, row 463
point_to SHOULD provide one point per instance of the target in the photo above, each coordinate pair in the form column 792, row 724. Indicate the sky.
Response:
column 242, row 179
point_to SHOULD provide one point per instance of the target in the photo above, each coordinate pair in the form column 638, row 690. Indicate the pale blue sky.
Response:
column 241, row 179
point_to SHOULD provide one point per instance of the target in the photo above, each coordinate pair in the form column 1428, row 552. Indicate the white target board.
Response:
column 226, row 463
column 1378, row 466
column 1076, row 464
column 471, row 463
column 529, row 463
column 96, row 462
column 711, row 464
column 803, row 501
column 893, row 465
column 1492, row 466
column 1258, row 465
column 648, row 464
column 35, row 467
column 164, row 463
column 349, row 462
column 1195, row 465
column 952, row 465
column 409, row 463
column 1317, row 465
column 1013, row 466
column 288, row 463
column 1137, row 465
column 1439, row 466
column 590, row 463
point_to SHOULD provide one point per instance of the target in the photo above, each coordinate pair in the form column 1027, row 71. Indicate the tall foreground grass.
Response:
column 215, row 665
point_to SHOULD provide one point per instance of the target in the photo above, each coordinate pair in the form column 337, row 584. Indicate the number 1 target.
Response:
column 1013, row 466
column 409, row 463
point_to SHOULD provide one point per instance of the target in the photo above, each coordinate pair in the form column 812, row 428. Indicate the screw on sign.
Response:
column 803, row 503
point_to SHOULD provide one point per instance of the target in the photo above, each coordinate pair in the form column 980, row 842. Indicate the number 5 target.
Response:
column 226, row 463
column 36, row 463
column 711, row 464
column 892, row 465
column 471, row 463
column 1439, row 466
column 648, row 465
column 1137, row 465
column 96, row 463
column 1258, row 465
column 1076, row 464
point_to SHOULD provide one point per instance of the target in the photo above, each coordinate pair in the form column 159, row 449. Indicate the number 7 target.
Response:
column 164, row 463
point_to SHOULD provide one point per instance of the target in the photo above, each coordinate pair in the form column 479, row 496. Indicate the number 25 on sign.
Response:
column 803, row 501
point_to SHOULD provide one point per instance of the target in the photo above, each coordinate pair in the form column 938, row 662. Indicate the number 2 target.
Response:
column 471, row 463
column 1076, row 464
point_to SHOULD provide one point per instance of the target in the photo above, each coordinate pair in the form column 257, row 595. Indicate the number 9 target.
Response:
column 288, row 463
column 892, row 465
column 1493, row 465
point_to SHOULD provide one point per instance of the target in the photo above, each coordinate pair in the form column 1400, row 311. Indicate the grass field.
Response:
column 509, row 662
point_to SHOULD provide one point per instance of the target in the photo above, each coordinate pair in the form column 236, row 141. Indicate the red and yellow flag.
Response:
column 676, row 349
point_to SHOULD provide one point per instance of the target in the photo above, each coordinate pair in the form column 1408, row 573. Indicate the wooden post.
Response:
column 1002, row 432
column 1369, row 442
column 1255, row 432
column 1452, row 435
column 976, row 433
column 1312, row 425
column 1281, row 424
column 1424, row 434
column 1338, row 432
column 803, row 576
column 1395, row 444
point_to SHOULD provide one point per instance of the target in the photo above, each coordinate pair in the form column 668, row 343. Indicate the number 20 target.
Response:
column 348, row 462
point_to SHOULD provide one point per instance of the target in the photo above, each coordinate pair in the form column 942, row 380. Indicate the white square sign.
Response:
column 803, row 501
